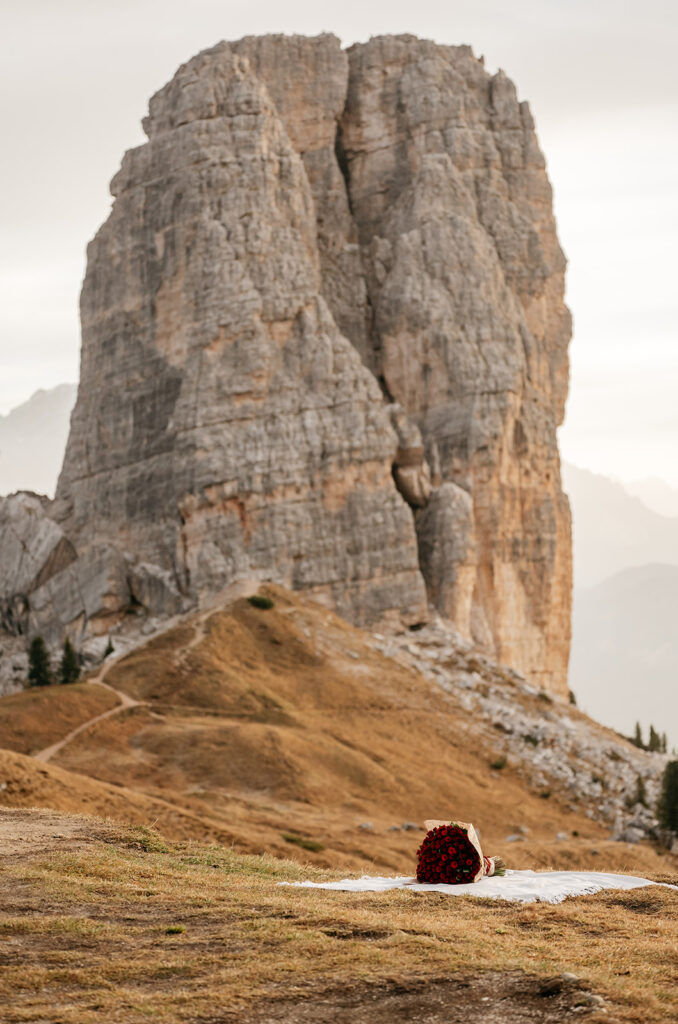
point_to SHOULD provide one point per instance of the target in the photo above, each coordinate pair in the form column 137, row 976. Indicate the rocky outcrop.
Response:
column 325, row 343
column 448, row 557
column 411, row 470
column 33, row 549
column 46, row 586
column 465, row 278
column 224, row 426
column 310, row 100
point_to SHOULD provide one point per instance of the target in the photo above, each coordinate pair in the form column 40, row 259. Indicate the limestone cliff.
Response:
column 325, row 343
column 224, row 426
column 465, row 279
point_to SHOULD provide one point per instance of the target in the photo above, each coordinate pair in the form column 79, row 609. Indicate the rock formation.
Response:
column 325, row 343
column 470, row 332
column 224, row 426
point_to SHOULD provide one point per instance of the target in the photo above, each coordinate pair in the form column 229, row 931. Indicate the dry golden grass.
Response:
column 35, row 718
column 279, row 732
column 263, row 724
column 29, row 783
column 285, row 720
column 132, row 927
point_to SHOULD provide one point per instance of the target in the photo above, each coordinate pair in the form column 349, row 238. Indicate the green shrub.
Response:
column 261, row 601
column 573, row 699
column 498, row 764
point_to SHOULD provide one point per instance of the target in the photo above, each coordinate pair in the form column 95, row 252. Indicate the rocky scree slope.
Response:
column 324, row 343
column 555, row 748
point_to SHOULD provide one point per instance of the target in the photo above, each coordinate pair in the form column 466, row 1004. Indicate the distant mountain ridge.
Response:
column 624, row 656
column 625, row 649
column 613, row 530
column 32, row 440
column 656, row 494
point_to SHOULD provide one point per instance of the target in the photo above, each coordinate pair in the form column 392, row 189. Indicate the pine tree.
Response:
column 638, row 737
column 664, row 743
column 654, row 743
column 69, row 669
column 39, row 670
column 667, row 808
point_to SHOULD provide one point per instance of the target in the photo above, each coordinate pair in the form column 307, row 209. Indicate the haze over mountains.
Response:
column 32, row 441
column 612, row 529
column 624, row 657
column 624, row 660
column 656, row 494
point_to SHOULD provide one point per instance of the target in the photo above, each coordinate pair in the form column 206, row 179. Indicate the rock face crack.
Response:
column 342, row 162
column 319, row 293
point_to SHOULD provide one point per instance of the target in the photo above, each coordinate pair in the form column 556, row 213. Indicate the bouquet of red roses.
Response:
column 451, row 854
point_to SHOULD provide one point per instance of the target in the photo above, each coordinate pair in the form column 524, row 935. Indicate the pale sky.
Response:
column 600, row 76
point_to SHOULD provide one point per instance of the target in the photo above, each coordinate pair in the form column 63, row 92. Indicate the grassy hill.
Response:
column 105, row 922
column 285, row 731
column 280, row 744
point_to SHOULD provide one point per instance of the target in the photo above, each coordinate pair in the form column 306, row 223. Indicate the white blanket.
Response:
column 519, row 886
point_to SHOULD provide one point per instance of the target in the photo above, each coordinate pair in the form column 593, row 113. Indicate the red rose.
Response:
column 446, row 856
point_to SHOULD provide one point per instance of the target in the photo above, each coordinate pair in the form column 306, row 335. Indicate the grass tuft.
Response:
column 306, row 844
column 146, row 839
column 261, row 601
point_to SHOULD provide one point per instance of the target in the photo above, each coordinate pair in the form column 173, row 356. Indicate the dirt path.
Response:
column 241, row 588
column 493, row 997
column 199, row 633
column 125, row 702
